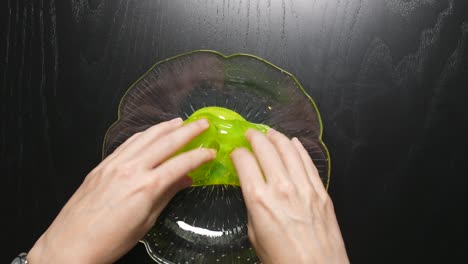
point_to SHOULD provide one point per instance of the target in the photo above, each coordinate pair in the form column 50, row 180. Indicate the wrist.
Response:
column 35, row 253
column 45, row 251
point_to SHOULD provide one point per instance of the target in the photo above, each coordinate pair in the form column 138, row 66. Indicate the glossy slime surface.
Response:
column 226, row 132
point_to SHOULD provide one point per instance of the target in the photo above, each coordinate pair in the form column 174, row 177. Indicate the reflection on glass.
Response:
column 199, row 230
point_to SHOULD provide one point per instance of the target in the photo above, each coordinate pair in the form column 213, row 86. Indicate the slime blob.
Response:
column 226, row 132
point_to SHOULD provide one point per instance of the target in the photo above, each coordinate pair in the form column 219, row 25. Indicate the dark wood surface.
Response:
column 389, row 77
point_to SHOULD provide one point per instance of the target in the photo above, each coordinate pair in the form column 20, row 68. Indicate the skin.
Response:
column 291, row 215
column 120, row 200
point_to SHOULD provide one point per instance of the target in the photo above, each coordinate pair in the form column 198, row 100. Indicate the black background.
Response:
column 389, row 77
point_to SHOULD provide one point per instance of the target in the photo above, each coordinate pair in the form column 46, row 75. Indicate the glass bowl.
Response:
column 208, row 224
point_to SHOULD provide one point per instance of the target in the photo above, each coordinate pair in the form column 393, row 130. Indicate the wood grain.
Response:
column 389, row 77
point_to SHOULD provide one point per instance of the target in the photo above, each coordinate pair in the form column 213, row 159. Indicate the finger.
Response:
column 249, row 173
column 166, row 193
column 291, row 158
column 312, row 171
column 162, row 195
column 147, row 137
column 166, row 146
column 174, row 170
column 267, row 156
column 123, row 146
column 250, row 178
column 114, row 154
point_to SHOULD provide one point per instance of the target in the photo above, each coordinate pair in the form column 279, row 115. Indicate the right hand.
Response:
column 290, row 215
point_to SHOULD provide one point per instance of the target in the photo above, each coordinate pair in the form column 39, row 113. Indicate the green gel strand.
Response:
column 226, row 133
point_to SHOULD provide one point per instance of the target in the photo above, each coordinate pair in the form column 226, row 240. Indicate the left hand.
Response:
column 120, row 200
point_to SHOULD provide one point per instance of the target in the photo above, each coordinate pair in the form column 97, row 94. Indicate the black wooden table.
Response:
column 389, row 77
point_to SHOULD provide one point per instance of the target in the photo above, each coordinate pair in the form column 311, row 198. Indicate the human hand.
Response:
column 120, row 200
column 291, row 216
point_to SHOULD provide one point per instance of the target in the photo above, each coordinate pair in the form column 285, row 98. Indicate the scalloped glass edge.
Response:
column 319, row 117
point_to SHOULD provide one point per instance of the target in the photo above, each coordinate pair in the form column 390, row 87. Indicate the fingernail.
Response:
column 271, row 131
column 236, row 150
column 203, row 123
column 296, row 140
column 213, row 152
column 176, row 120
column 249, row 132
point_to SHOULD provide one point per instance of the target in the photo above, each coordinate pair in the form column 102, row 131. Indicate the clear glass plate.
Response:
column 208, row 224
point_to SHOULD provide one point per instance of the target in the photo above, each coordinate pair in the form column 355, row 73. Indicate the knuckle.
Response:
column 326, row 203
column 91, row 178
column 147, row 190
column 124, row 170
column 144, row 193
column 137, row 134
column 285, row 189
column 95, row 171
column 313, row 194
column 154, row 183
column 169, row 172
column 257, row 196
column 105, row 170
column 155, row 180
column 308, row 190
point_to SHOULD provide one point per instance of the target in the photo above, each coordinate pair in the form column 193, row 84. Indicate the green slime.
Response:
column 226, row 133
